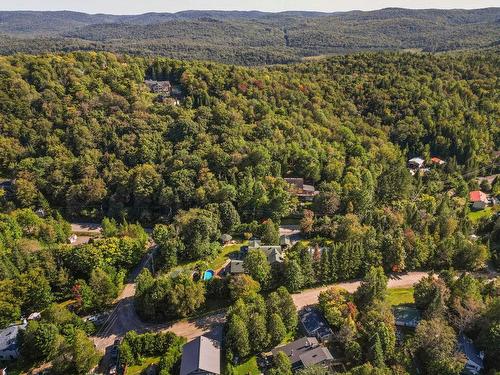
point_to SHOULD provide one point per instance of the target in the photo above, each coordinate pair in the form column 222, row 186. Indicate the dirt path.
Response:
column 310, row 296
column 124, row 317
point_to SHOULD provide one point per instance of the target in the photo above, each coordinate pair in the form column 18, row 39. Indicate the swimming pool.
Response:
column 208, row 274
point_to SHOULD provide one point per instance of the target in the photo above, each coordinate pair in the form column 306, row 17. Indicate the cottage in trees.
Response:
column 303, row 191
column 313, row 324
column 474, row 357
column 201, row 357
column 478, row 199
column 305, row 352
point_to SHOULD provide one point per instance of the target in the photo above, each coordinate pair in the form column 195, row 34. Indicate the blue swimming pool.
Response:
column 208, row 274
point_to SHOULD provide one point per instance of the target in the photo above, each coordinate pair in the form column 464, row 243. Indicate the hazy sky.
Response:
column 142, row 6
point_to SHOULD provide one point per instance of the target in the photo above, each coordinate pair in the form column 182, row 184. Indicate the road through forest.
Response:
column 124, row 317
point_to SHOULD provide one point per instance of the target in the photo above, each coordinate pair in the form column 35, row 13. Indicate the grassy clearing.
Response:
column 249, row 367
column 475, row 216
column 219, row 261
column 399, row 296
column 137, row 370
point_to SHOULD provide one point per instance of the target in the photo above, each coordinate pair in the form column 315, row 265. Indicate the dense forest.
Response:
column 82, row 133
column 250, row 38
column 83, row 137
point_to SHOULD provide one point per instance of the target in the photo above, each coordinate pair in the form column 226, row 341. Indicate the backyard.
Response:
column 400, row 296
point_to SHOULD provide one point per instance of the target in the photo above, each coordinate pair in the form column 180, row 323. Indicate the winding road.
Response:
column 124, row 317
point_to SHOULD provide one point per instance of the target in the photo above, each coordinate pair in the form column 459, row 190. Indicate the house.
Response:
column 226, row 238
column 416, row 163
column 478, row 206
column 437, row 161
column 478, row 196
column 159, row 87
column 314, row 324
column 474, row 357
column 9, row 348
column 254, row 243
column 274, row 254
column 35, row 316
column 236, row 267
column 305, row 352
column 405, row 316
column 303, row 191
column 285, row 242
column 201, row 357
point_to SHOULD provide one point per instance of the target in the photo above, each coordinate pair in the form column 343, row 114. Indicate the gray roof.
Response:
column 201, row 354
column 274, row 254
column 406, row 316
column 467, row 347
column 236, row 266
column 8, row 337
column 295, row 349
column 285, row 240
column 315, row 356
column 315, row 324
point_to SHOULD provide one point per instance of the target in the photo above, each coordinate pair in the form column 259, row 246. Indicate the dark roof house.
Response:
column 314, row 324
column 405, row 316
column 474, row 357
column 305, row 352
column 201, row 357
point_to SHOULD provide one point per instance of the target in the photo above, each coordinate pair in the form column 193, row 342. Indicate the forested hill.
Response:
column 81, row 132
column 250, row 38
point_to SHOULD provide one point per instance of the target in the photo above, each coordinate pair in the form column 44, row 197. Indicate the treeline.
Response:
column 39, row 266
column 260, row 38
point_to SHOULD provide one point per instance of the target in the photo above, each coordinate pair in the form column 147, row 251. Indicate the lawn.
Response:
column 137, row 370
column 399, row 296
column 219, row 261
column 247, row 368
column 475, row 216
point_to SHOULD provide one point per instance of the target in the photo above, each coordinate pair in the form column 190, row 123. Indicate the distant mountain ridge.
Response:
column 260, row 37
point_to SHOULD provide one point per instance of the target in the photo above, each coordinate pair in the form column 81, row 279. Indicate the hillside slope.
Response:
column 250, row 38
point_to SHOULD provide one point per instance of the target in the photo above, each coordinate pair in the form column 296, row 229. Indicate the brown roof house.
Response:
column 305, row 352
column 302, row 191
column 201, row 357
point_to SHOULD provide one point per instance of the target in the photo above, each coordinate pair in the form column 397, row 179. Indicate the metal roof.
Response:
column 201, row 354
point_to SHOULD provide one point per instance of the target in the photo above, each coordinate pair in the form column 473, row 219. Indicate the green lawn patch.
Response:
column 219, row 261
column 138, row 369
column 475, row 216
column 249, row 367
column 400, row 296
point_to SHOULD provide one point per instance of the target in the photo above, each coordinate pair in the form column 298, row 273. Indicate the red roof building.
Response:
column 478, row 196
column 437, row 161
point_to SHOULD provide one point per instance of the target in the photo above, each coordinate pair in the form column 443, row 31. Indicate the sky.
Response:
column 144, row 6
